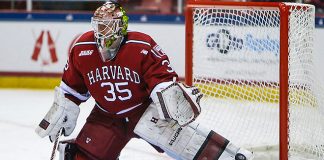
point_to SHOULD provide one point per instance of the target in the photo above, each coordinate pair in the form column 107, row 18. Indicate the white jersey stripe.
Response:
column 136, row 41
column 69, row 90
column 120, row 112
column 126, row 110
column 82, row 43
column 155, row 53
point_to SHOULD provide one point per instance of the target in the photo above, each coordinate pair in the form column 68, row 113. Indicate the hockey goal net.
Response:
column 254, row 63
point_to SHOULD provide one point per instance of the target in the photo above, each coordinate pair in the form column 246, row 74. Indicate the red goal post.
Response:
column 203, row 15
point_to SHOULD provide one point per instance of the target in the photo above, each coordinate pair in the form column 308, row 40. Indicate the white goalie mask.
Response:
column 109, row 24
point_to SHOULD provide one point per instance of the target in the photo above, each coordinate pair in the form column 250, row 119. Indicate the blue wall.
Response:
column 84, row 17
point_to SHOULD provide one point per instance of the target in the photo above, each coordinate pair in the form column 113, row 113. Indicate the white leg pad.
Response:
column 61, row 148
column 168, row 135
column 67, row 149
column 185, row 143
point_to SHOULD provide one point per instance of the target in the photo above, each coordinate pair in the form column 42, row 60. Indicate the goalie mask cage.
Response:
column 254, row 63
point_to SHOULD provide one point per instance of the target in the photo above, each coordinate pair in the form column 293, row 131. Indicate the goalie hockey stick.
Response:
column 57, row 137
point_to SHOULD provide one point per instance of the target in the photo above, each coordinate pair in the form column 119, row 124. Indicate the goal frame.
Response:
column 284, row 54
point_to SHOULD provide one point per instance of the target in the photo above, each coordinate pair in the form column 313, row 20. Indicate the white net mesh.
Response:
column 236, row 58
column 306, row 129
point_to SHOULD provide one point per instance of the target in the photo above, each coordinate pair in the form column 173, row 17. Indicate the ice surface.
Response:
column 20, row 113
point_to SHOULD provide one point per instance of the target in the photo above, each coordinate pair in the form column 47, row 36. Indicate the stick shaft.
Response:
column 57, row 136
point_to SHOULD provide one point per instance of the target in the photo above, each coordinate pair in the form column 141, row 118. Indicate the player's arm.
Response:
column 64, row 111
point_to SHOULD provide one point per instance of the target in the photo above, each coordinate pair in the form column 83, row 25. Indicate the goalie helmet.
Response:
column 109, row 24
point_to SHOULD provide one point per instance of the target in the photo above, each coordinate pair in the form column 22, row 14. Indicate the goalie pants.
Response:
column 103, row 136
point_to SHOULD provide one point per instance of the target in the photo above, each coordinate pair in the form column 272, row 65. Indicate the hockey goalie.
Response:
column 137, row 95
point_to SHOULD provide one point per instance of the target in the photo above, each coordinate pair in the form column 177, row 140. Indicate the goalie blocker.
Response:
column 177, row 101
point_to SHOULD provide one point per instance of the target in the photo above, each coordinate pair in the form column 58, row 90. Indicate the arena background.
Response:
column 36, row 36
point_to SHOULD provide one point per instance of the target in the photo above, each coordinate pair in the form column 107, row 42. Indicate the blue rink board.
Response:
column 85, row 17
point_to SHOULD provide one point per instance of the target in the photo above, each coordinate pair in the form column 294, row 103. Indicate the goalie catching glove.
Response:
column 178, row 102
column 62, row 115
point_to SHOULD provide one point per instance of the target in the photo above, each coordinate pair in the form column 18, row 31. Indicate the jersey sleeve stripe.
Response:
column 84, row 43
column 157, row 55
column 136, row 41
column 69, row 90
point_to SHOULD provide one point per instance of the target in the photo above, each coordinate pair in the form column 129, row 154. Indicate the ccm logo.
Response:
column 86, row 53
column 175, row 136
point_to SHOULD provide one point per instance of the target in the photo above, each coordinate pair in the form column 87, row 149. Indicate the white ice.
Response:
column 22, row 110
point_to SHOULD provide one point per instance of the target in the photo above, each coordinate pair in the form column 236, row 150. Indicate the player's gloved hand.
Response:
column 62, row 115
column 179, row 102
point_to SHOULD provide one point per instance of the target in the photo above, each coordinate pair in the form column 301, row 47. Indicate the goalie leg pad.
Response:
column 190, row 142
column 67, row 150
column 213, row 146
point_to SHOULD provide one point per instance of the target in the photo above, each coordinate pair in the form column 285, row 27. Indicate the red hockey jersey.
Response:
column 119, row 85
